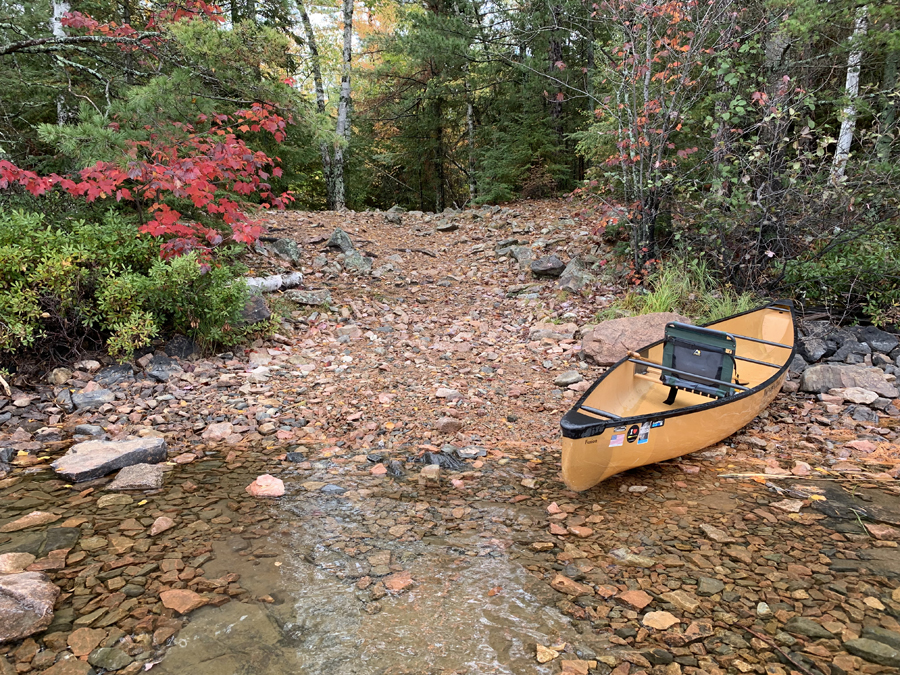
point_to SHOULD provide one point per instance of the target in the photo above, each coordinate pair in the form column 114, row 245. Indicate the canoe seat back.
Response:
column 704, row 352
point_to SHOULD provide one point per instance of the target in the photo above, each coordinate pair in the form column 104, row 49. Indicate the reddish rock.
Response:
column 33, row 519
column 862, row 446
column 398, row 581
column 69, row 665
column 378, row 470
column 182, row 600
column 26, row 604
column 659, row 620
column 564, row 584
column 160, row 525
column 557, row 529
column 884, row 532
column 608, row 342
column 637, row 599
column 801, row 469
column 266, row 486
column 580, row 531
column 449, row 425
column 218, row 432
column 11, row 563
column 185, row 458
column 85, row 640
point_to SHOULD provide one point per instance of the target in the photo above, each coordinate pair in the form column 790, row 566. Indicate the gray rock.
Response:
column 340, row 239
column 59, row 376
column 849, row 347
column 878, row 340
column 812, row 348
column 880, row 403
column 393, row 218
column 109, row 658
column 313, row 298
column 567, row 378
column 862, row 413
column 447, row 226
column 523, row 255
column 89, row 430
column 547, row 266
column 574, row 277
column 881, row 360
column 138, row 477
column 396, row 208
column 287, row 249
column 874, row 651
column 357, row 262
column 94, row 459
column 26, row 604
column 255, row 310
column 162, row 368
column 115, row 374
column 47, row 435
column 707, row 586
column 39, row 544
column 798, row 364
column 821, row 377
column 93, row 399
column 800, row 625
column 888, row 637
column 181, row 347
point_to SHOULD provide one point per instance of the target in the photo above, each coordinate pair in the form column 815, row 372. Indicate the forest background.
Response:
column 756, row 141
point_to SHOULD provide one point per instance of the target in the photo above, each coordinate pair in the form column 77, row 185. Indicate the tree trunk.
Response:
column 324, row 149
column 63, row 112
column 342, row 129
column 470, row 127
column 889, row 115
column 851, row 91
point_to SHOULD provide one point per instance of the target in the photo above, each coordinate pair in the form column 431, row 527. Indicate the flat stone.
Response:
column 823, row 377
column 888, row 637
column 800, row 625
column 26, row 604
column 182, row 600
column 312, row 298
column 85, row 640
column 217, row 432
column 564, row 584
column 545, row 654
column 717, row 535
column 109, row 658
column 92, row 399
column 138, row 477
column 637, row 599
column 398, row 581
column 33, row 519
column 115, row 375
column 13, row 563
column 567, row 378
column 69, row 665
column 707, row 586
column 609, row 341
column 682, row 600
column 855, row 395
column 659, row 620
column 160, row 525
column 41, row 543
column 874, row 651
column 544, row 330
column 95, row 459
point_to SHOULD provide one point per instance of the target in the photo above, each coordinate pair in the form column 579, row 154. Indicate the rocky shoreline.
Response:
column 407, row 429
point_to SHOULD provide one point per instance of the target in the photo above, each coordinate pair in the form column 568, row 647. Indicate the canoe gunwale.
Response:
column 579, row 429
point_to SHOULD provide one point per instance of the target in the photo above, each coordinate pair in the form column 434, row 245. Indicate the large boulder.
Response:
column 878, row 340
column 26, row 604
column 823, row 377
column 609, row 341
column 95, row 459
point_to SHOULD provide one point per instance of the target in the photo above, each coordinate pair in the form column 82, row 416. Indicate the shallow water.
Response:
column 471, row 608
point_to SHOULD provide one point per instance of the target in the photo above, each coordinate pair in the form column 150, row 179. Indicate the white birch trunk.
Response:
column 60, row 8
column 851, row 91
column 342, row 129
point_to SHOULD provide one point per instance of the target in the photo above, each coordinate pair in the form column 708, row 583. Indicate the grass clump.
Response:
column 686, row 287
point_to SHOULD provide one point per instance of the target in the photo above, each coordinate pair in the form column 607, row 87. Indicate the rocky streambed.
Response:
column 423, row 527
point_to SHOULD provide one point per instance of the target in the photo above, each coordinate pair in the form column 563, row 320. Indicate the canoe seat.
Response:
column 704, row 352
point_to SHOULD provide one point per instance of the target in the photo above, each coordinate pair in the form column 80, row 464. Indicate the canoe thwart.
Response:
column 602, row 413
column 734, row 335
column 686, row 375
column 759, row 363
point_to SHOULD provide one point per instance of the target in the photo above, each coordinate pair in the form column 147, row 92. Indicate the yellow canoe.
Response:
column 624, row 421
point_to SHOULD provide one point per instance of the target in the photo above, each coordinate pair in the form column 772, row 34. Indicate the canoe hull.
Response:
column 587, row 461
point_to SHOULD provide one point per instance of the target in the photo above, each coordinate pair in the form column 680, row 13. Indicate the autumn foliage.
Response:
column 190, row 182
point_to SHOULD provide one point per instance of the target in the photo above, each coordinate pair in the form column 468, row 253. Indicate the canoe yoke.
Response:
column 699, row 360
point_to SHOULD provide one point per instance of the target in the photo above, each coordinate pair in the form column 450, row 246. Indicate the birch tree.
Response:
column 851, row 92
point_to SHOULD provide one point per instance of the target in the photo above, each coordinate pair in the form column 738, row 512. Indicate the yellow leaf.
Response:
column 817, row 498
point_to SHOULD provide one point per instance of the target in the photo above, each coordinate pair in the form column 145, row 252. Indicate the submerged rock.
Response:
column 26, row 604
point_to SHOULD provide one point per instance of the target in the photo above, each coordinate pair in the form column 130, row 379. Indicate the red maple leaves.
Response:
column 180, row 176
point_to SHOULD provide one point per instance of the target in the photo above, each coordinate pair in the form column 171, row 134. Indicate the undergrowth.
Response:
column 686, row 287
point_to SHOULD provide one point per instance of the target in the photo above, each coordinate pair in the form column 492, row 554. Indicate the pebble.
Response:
column 659, row 620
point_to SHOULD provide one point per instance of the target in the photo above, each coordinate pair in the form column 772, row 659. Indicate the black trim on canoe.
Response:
column 578, row 425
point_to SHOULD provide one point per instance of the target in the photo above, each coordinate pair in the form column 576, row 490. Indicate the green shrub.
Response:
column 73, row 280
column 686, row 287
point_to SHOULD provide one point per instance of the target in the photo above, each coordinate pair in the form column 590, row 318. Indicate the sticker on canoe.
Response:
column 633, row 432
column 657, row 423
column 616, row 440
column 619, row 430
column 644, row 436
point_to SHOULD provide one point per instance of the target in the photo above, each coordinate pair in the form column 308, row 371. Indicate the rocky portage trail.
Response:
column 373, row 489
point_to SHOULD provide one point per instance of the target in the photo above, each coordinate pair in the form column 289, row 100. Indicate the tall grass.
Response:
column 686, row 287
